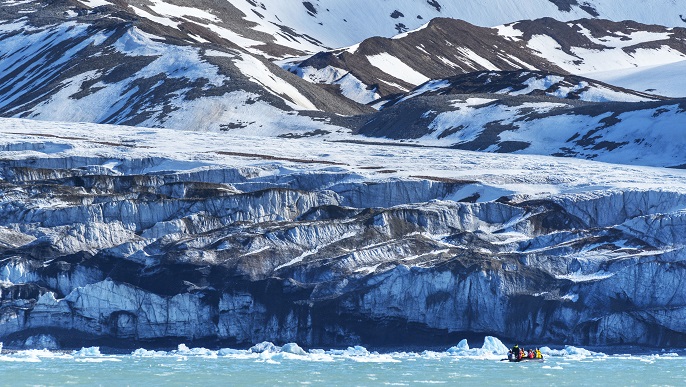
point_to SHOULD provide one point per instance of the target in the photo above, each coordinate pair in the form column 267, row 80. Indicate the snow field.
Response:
column 662, row 79
column 341, row 24
column 517, row 174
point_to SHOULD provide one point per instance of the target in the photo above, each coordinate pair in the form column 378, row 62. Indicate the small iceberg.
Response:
column 263, row 347
column 142, row 352
column 183, row 350
column 570, row 350
column 294, row 349
column 492, row 347
column 87, row 352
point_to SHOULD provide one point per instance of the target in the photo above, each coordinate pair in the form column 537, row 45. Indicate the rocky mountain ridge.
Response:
column 522, row 82
column 309, row 26
column 447, row 47
column 65, row 63
column 617, row 132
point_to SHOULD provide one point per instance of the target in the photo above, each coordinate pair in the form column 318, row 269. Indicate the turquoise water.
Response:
column 353, row 367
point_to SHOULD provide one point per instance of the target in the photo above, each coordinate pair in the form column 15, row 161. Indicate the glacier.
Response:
column 121, row 236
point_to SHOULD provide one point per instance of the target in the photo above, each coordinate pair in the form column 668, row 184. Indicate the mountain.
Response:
column 63, row 62
column 122, row 237
column 446, row 47
column 117, row 64
column 340, row 173
column 522, row 82
column 315, row 24
column 645, row 133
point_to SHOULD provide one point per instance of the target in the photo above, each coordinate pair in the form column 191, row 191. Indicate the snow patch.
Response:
column 475, row 58
column 508, row 31
column 396, row 68
column 259, row 73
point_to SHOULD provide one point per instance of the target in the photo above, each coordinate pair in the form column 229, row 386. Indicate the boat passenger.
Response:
column 517, row 352
column 539, row 355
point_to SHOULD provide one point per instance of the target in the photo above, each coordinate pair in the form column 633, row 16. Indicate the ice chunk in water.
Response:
column 492, row 346
column 264, row 346
column 294, row 349
column 569, row 350
column 85, row 352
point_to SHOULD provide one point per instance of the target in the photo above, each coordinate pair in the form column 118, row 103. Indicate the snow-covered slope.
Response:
column 663, row 79
column 585, row 46
column 215, row 21
column 61, row 62
column 442, row 48
column 342, row 23
column 522, row 82
column 104, row 65
column 644, row 133
column 277, row 28
column 445, row 47
column 122, row 237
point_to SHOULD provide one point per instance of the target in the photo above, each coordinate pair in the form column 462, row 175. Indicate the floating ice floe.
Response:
column 91, row 355
column 87, row 352
column 269, row 353
column 492, row 348
column 142, row 352
column 31, row 356
column 264, row 346
column 294, row 349
column 183, row 350
column 570, row 351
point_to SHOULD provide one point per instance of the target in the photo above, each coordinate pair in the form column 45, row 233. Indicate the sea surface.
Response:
column 269, row 365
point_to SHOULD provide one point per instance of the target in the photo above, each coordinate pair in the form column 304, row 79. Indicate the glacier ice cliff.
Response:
column 130, row 252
